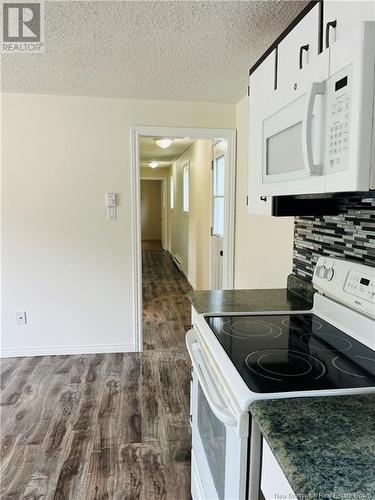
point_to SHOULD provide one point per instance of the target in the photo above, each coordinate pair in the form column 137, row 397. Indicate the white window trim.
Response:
column 214, row 197
column 172, row 194
column 186, row 166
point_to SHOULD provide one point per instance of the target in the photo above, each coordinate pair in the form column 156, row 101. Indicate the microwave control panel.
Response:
column 338, row 120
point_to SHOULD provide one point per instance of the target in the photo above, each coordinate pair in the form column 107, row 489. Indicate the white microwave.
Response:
column 318, row 136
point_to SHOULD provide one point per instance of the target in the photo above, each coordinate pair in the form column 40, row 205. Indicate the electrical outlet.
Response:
column 21, row 318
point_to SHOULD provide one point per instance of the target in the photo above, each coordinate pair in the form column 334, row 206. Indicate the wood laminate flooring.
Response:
column 104, row 426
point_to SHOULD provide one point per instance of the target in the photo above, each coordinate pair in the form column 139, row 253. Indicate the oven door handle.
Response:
column 209, row 388
column 311, row 168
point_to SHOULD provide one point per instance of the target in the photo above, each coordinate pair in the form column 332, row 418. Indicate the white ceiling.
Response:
column 149, row 151
column 176, row 50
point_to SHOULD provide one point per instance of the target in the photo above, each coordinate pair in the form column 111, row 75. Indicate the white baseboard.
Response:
column 180, row 264
column 189, row 278
column 58, row 350
column 192, row 283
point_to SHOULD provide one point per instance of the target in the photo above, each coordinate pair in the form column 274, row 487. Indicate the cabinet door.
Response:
column 299, row 48
column 273, row 483
column 262, row 83
column 340, row 17
column 262, row 80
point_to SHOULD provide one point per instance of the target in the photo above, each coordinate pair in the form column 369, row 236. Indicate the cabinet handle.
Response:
column 331, row 24
column 221, row 253
column 301, row 49
column 263, row 198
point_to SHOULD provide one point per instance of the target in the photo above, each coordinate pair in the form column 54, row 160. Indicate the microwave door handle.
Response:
column 209, row 390
column 311, row 168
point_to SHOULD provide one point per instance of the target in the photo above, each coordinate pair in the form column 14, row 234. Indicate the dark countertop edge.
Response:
column 196, row 297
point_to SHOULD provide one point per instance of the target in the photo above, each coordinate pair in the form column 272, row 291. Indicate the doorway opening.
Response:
column 153, row 219
column 183, row 206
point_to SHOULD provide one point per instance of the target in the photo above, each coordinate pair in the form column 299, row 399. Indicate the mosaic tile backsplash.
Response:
column 349, row 235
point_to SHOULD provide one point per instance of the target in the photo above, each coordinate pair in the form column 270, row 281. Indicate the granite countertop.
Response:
column 231, row 301
column 325, row 445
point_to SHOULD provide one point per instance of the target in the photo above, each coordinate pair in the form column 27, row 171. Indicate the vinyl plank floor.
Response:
column 104, row 426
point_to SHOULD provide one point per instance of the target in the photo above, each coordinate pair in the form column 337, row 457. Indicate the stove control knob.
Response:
column 320, row 271
column 329, row 273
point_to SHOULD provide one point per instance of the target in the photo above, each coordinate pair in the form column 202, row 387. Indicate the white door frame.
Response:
column 136, row 132
column 163, row 209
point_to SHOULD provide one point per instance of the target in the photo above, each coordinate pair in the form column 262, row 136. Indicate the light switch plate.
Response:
column 110, row 199
column 111, row 214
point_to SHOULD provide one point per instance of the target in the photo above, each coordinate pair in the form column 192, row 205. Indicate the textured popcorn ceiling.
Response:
column 176, row 50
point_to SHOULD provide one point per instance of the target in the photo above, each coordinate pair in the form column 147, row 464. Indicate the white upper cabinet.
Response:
column 299, row 48
column 287, row 144
column 262, row 79
column 340, row 17
column 261, row 84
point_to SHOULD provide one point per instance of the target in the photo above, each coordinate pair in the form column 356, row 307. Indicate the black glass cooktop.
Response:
column 297, row 352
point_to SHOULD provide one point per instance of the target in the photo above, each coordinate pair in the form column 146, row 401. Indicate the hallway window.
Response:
column 186, row 186
column 171, row 192
column 218, row 197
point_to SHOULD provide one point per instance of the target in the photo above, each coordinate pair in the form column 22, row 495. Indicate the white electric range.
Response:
column 239, row 358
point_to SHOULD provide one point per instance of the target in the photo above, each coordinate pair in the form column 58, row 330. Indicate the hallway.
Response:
column 166, row 310
column 104, row 426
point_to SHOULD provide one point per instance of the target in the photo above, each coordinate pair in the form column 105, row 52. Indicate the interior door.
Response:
column 217, row 228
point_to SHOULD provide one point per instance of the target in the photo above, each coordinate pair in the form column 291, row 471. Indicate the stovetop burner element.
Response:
column 239, row 329
column 272, row 361
column 289, row 324
column 318, row 343
column 294, row 352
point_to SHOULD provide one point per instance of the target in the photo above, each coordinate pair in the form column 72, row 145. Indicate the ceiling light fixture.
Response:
column 164, row 142
column 153, row 164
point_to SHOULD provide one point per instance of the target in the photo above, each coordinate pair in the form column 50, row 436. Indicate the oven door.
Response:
column 292, row 134
column 219, row 435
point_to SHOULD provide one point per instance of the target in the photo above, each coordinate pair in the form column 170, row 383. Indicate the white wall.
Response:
column 264, row 244
column 151, row 198
column 190, row 233
column 63, row 262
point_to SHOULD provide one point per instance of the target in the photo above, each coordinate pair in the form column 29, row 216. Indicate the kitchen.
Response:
column 282, row 392
column 281, row 400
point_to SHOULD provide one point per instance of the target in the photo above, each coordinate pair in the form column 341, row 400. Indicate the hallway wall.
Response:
column 264, row 244
column 62, row 262
column 151, row 196
column 190, row 233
